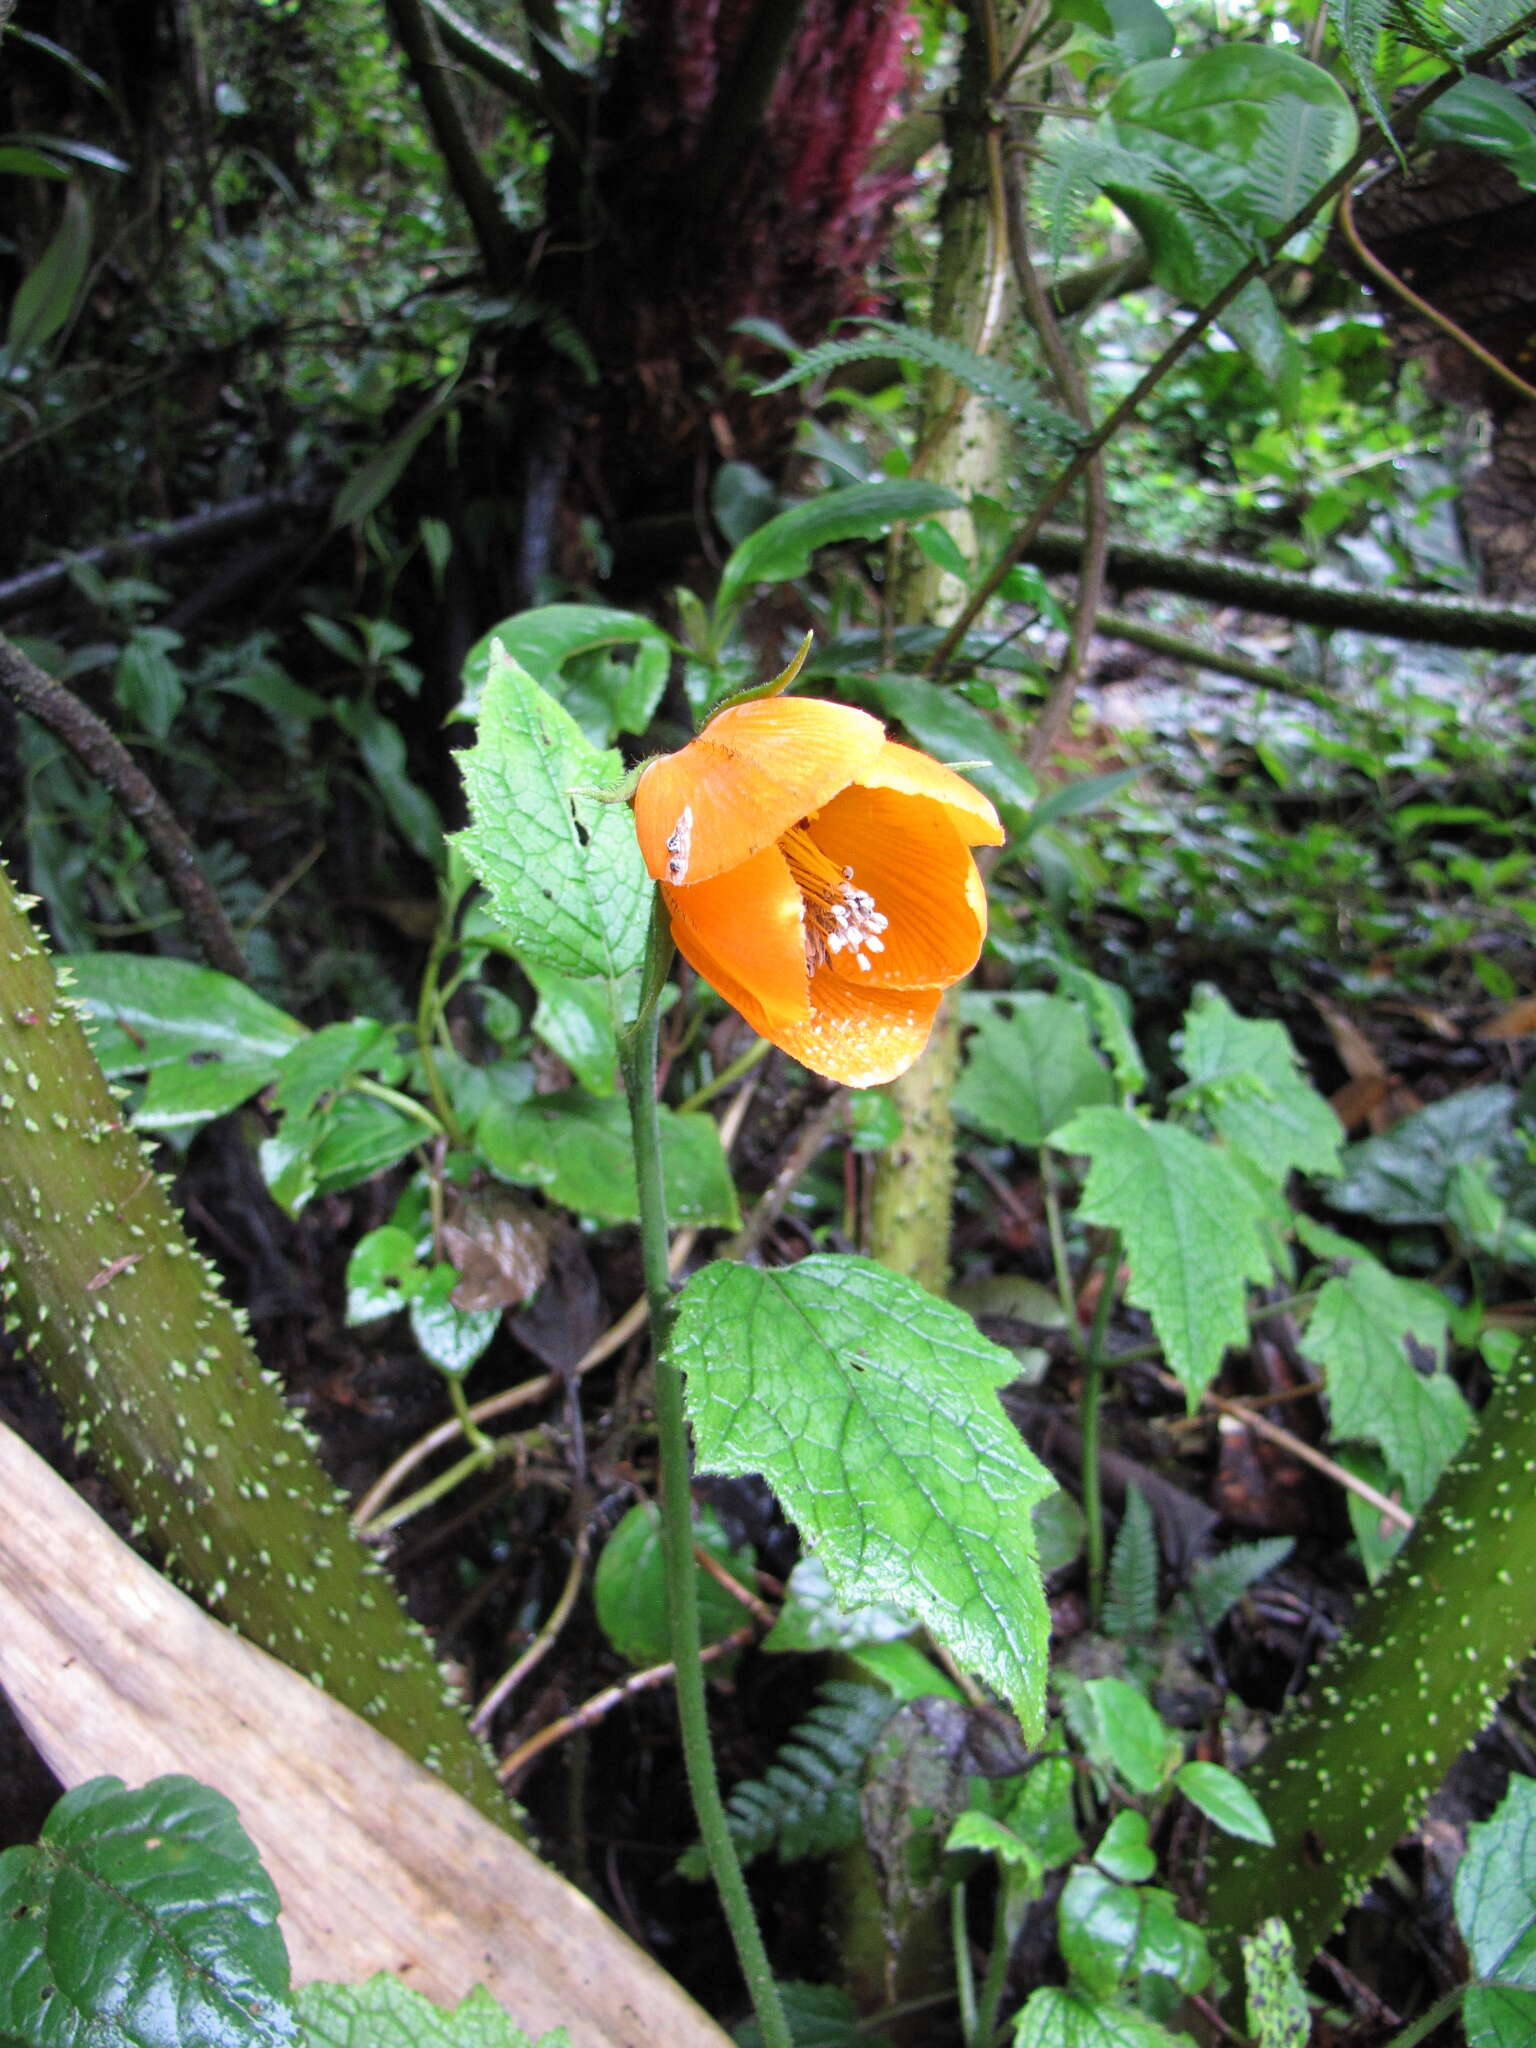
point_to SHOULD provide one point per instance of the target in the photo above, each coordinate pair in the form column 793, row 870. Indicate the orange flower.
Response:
column 820, row 877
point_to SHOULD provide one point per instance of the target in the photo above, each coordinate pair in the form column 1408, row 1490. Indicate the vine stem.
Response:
column 637, row 1060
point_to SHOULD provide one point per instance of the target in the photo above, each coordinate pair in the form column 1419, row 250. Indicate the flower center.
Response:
column 839, row 918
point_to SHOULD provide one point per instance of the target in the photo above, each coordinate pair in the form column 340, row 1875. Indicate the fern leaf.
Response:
column 1360, row 25
column 1130, row 1587
column 1469, row 24
column 1293, row 152
column 1216, row 1586
column 980, row 374
column 1065, row 183
column 807, row 1801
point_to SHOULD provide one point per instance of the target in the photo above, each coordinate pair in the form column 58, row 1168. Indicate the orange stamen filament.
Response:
column 838, row 916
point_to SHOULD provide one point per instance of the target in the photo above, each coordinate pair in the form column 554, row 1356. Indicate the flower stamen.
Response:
column 839, row 917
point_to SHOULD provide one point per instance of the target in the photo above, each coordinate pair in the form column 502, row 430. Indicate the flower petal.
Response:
column 905, row 852
column 914, row 774
column 755, row 770
column 744, row 932
column 860, row 1035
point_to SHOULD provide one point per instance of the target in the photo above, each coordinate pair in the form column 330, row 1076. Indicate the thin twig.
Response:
column 1404, row 291
column 728, row 1582
column 1179, row 347
column 603, row 1703
column 1299, row 1448
column 770, row 1204
column 102, row 754
column 544, row 1641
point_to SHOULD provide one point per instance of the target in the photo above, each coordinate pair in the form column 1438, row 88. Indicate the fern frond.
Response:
column 1130, row 1586
column 1294, row 151
column 1469, row 24
column 989, row 379
column 807, row 1801
column 1216, row 1586
column 1360, row 25
column 1065, row 182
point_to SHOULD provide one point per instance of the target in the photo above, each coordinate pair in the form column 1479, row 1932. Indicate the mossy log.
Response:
column 158, row 1381
column 1432, row 1649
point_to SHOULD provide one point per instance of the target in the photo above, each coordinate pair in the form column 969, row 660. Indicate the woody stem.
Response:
column 637, row 1058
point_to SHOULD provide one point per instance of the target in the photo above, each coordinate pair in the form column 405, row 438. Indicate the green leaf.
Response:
column 453, row 1339
column 1226, row 1800
column 1130, row 1734
column 554, row 643
column 564, row 872
column 1139, row 30
column 1190, row 1225
column 1496, row 1909
column 384, row 2013
column 629, row 1587
column 578, row 1151
column 1109, row 1012
column 47, row 295
column 382, row 747
column 1359, row 1332
column 1112, row 1934
column 1029, row 1066
column 142, row 1920
column 323, row 1063
column 1123, row 1849
column 951, row 728
column 781, row 549
column 366, row 489
column 355, row 1137
column 146, row 682
column 904, row 1670
column 870, row 1408
column 1216, row 1584
column 1074, row 2018
column 812, row 1617
column 206, row 1040
column 1084, row 794
column 1405, row 1176
column 573, row 1019
column 383, row 1274
column 1253, row 1092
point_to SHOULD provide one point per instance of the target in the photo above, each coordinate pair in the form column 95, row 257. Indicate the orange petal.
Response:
column 905, row 852
column 744, row 933
column 755, row 770
column 859, row 1035
column 914, row 774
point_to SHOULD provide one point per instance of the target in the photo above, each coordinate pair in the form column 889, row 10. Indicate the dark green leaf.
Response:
column 206, row 1040
column 782, row 548
column 946, row 725
column 578, row 1151
column 142, row 1920
column 46, row 296
column 1405, row 1176
column 629, row 1587
column 557, row 641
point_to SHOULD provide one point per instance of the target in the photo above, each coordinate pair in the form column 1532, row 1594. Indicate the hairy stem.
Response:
column 638, row 1062
column 1396, row 1700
